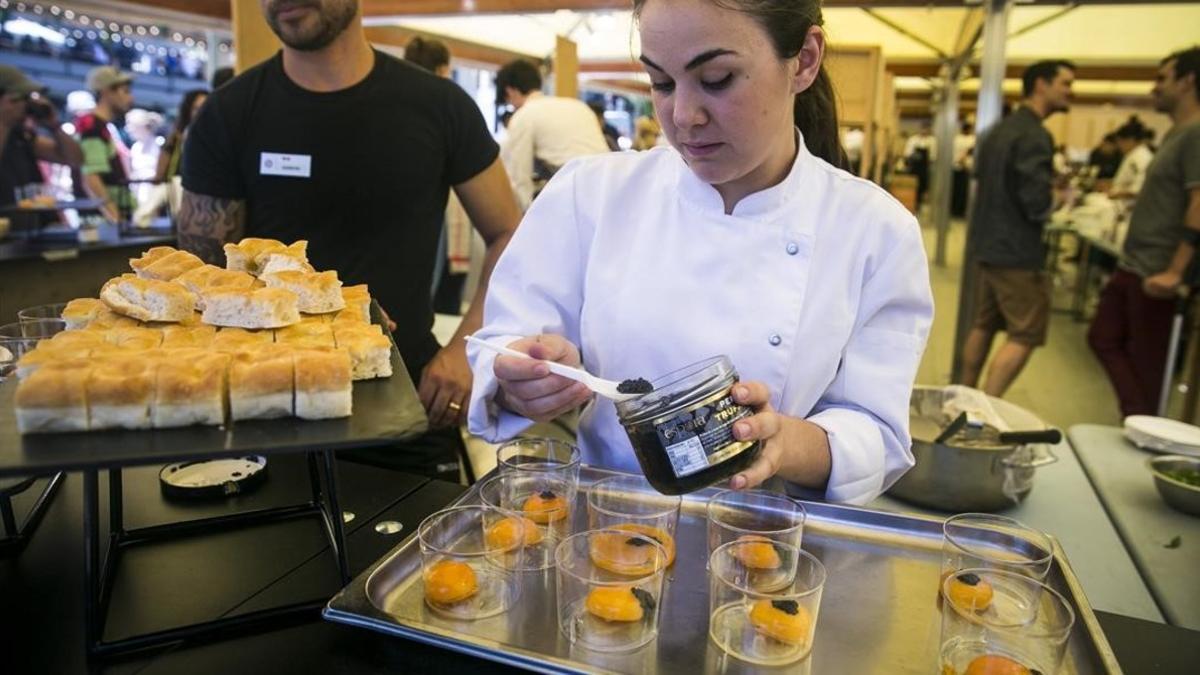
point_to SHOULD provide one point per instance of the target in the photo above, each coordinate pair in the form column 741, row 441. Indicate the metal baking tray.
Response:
column 386, row 410
column 878, row 613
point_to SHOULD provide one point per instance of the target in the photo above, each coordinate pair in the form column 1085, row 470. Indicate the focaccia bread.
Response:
column 358, row 297
column 304, row 334
column 210, row 278
column 259, row 308
column 191, row 388
column 322, row 383
column 251, row 253
column 119, row 392
column 270, row 263
column 233, row 340
column 370, row 351
column 54, row 398
column 261, row 383
column 136, row 337
column 82, row 311
column 164, row 263
column 106, row 319
column 181, row 337
column 318, row 292
column 148, row 299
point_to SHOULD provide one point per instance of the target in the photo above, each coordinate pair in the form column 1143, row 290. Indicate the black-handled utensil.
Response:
column 1022, row 437
column 954, row 427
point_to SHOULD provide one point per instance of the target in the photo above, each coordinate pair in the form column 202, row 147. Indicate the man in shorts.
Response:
column 1014, row 167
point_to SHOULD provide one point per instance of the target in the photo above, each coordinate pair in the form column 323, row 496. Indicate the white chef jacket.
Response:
column 1132, row 171
column 553, row 129
column 818, row 287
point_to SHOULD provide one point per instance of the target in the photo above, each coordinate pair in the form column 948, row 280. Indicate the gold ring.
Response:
column 454, row 406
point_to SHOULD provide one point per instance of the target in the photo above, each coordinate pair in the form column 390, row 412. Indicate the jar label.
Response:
column 701, row 437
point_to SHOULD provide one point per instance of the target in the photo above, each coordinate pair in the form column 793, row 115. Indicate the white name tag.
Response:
column 276, row 164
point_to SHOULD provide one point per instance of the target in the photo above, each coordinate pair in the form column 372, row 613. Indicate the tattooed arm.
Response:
column 207, row 223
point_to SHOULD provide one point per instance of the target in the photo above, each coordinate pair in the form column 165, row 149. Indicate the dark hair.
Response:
column 1187, row 62
column 521, row 75
column 1132, row 129
column 815, row 110
column 184, row 119
column 428, row 53
column 1042, row 70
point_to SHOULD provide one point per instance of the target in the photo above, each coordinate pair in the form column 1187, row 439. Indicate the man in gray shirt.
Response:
column 1014, row 167
column 1133, row 322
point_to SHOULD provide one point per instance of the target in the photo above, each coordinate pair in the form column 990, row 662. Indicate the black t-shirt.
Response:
column 18, row 165
column 365, row 178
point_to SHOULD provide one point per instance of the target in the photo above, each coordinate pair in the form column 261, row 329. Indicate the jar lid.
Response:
column 679, row 388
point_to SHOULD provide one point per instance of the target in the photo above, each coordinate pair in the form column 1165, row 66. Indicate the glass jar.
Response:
column 682, row 431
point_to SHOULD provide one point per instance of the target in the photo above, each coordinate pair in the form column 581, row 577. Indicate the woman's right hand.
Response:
column 528, row 388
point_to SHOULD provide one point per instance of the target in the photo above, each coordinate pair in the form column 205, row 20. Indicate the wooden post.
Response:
column 566, row 68
column 253, row 41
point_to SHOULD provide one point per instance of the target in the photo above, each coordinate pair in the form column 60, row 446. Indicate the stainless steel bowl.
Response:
column 1177, row 494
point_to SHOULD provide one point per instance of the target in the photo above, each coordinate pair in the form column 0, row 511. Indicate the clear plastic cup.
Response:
column 466, row 574
column 995, row 542
column 542, row 456
column 631, row 504
column 17, row 339
column 1000, row 621
column 52, row 311
column 755, row 516
column 610, row 589
column 773, row 627
column 536, row 507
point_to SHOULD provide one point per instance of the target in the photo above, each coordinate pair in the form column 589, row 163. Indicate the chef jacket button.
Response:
column 775, row 340
column 793, row 248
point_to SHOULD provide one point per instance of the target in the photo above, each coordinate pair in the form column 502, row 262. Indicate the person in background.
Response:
column 852, row 142
column 545, row 133
column 142, row 126
column 647, row 133
column 368, row 199
column 1106, row 157
column 611, row 135
column 454, row 247
column 919, row 152
column 29, row 131
column 744, row 237
column 170, row 160
column 1135, row 159
column 964, row 148
column 105, row 157
column 1014, row 167
column 1131, row 330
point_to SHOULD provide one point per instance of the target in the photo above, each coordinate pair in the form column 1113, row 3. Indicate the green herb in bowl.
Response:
column 1187, row 476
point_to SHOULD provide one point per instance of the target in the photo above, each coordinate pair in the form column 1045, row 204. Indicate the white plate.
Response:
column 1163, row 435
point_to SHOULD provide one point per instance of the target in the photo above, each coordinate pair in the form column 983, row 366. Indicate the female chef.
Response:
column 743, row 238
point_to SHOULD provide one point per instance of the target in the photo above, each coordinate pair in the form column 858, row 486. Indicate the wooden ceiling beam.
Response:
column 397, row 36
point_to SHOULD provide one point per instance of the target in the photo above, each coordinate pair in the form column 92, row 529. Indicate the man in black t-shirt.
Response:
column 355, row 151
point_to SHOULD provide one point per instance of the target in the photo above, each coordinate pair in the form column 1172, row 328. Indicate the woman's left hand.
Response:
column 795, row 448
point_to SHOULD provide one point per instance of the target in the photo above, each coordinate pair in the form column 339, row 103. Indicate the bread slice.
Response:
column 209, row 278
column 251, row 253
column 260, row 308
column 322, row 383
column 359, row 297
column 318, row 292
column 46, row 354
column 82, row 311
column 148, row 299
column 75, row 338
column 164, row 263
column 370, row 351
column 107, row 319
column 119, row 392
column 270, row 263
column 191, row 387
column 54, row 398
column 233, row 340
column 306, row 335
column 181, row 337
column 138, row 338
column 261, row 383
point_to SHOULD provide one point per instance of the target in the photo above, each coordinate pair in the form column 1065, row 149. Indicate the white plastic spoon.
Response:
column 606, row 388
